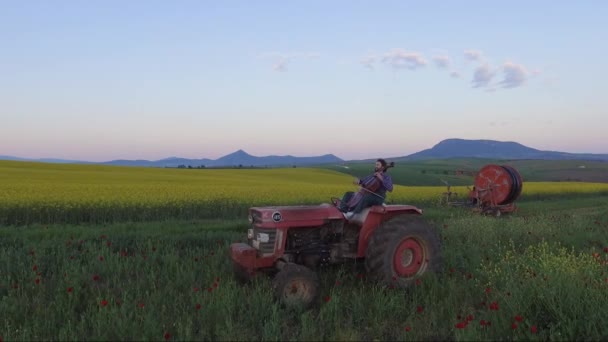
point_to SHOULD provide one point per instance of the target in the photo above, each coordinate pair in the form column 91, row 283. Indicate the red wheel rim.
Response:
column 409, row 258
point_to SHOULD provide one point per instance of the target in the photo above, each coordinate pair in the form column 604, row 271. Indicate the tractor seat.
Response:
column 359, row 218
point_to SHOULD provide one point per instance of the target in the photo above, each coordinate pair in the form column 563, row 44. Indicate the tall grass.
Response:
column 539, row 275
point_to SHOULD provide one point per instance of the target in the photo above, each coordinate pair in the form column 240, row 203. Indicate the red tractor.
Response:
column 290, row 242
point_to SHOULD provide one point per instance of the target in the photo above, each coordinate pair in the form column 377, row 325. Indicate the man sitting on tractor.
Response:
column 372, row 190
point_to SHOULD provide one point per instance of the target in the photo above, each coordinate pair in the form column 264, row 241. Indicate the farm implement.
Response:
column 495, row 189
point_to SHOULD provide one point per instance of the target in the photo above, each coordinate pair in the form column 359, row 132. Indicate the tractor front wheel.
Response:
column 296, row 286
column 402, row 250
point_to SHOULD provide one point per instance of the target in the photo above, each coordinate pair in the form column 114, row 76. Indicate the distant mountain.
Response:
column 45, row 160
column 492, row 149
column 238, row 158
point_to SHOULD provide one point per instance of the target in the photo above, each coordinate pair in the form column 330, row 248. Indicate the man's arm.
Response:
column 388, row 182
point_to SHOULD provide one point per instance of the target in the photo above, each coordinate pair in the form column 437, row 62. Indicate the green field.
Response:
column 539, row 274
column 432, row 172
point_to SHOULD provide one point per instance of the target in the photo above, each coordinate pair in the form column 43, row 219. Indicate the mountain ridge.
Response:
column 445, row 149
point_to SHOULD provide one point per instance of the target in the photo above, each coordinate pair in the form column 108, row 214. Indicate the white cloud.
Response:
column 515, row 75
column 473, row 55
column 368, row 62
column 400, row 59
column 281, row 60
column 442, row 61
column 281, row 65
column 454, row 74
column 482, row 76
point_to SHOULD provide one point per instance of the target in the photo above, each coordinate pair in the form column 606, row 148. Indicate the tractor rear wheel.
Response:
column 296, row 286
column 403, row 249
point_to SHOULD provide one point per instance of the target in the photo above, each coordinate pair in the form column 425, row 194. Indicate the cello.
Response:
column 369, row 184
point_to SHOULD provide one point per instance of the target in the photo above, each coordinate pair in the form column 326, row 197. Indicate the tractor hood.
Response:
column 293, row 213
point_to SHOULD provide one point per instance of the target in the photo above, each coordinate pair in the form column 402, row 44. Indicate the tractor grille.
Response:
column 266, row 247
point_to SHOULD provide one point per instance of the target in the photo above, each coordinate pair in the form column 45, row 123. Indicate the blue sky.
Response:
column 102, row 80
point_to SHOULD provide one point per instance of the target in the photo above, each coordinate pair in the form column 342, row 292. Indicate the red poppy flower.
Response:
column 494, row 306
column 96, row 277
column 461, row 325
column 482, row 322
column 408, row 328
column 215, row 285
column 167, row 336
column 470, row 318
column 533, row 329
column 217, row 279
column 488, row 290
column 605, row 249
column 514, row 326
column 196, row 289
column 519, row 318
column 327, row 299
column 108, row 244
column 70, row 289
column 37, row 280
column 198, row 306
column 360, row 276
column 394, row 278
column 210, row 289
column 419, row 309
column 103, row 303
column 337, row 283
column 141, row 305
column 103, row 237
column 101, row 258
column 418, row 282
column 35, row 268
column 1, row 339
column 72, row 257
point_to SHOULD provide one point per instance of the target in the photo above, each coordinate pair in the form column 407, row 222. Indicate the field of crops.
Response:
column 538, row 275
column 57, row 193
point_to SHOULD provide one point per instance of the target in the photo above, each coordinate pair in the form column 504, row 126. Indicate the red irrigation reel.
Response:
column 494, row 192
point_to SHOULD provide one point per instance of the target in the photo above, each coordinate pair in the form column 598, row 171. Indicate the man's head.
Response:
column 380, row 164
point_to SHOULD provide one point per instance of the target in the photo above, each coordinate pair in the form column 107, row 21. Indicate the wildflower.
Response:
column 482, row 322
column 461, row 325
column 337, row 283
column 101, row 258
column 327, row 299
column 198, row 306
column 488, row 290
column 96, row 277
column 217, row 279
column 419, row 309
column 494, row 306
column 418, row 282
column 215, row 285
column 141, row 305
column 470, row 318
column 35, row 268
column 103, row 237
column 514, row 326
column 408, row 328
column 103, row 303
column 167, row 336
column 196, row 289
column 518, row 318
column 533, row 329
column 605, row 249
column 210, row 289
column 37, row 280
column 70, row 289
column 108, row 244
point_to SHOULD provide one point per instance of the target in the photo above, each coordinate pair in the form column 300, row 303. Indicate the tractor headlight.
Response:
column 250, row 234
column 263, row 237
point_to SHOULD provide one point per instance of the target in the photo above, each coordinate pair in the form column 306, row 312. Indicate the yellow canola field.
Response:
column 67, row 193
